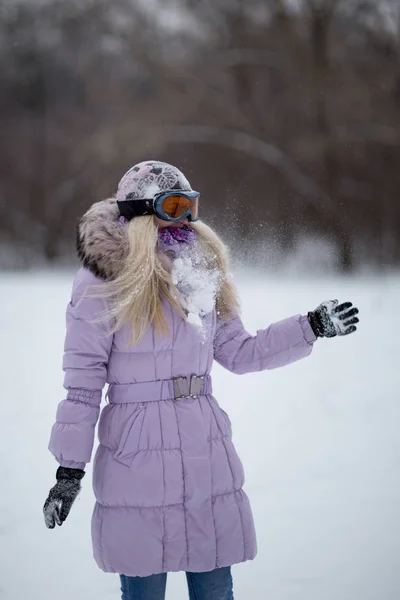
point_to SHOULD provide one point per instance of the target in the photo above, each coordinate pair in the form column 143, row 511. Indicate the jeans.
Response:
column 212, row 585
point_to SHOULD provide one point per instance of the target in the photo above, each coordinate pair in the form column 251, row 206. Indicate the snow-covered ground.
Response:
column 319, row 440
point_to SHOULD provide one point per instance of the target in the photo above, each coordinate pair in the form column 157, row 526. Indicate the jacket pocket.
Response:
column 130, row 438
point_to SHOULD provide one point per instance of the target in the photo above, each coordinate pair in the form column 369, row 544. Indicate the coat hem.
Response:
column 220, row 565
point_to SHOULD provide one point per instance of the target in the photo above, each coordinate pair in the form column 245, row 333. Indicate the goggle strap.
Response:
column 131, row 207
column 135, row 208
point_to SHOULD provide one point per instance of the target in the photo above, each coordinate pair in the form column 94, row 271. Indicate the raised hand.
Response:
column 62, row 496
column 331, row 319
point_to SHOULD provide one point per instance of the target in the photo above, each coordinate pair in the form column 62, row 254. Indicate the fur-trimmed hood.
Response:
column 102, row 242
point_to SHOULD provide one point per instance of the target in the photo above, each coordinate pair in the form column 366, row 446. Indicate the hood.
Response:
column 102, row 243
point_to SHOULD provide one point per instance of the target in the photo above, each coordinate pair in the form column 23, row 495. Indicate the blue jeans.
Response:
column 212, row 585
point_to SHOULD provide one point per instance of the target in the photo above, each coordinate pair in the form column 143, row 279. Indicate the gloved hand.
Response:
column 62, row 496
column 331, row 319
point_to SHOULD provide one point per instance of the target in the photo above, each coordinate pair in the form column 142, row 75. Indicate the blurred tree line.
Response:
column 285, row 115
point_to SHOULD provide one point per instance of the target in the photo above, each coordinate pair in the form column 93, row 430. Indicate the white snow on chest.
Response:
column 197, row 286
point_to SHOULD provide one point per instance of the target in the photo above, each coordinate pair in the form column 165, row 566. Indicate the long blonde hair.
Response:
column 135, row 294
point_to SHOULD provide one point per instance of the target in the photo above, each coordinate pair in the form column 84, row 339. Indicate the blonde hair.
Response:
column 135, row 294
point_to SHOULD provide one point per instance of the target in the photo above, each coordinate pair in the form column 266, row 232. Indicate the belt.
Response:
column 189, row 386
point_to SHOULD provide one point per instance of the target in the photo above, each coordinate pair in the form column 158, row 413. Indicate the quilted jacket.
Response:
column 167, row 479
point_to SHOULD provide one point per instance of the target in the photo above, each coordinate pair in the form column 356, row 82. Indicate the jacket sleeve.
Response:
column 276, row 346
column 86, row 352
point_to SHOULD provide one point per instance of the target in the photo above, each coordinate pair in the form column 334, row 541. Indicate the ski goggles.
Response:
column 168, row 206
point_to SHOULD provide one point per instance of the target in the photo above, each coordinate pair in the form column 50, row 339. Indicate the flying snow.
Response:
column 196, row 284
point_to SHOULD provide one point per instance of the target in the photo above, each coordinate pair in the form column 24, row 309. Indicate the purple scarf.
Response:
column 168, row 236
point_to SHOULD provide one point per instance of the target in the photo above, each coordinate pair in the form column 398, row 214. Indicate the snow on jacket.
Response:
column 167, row 479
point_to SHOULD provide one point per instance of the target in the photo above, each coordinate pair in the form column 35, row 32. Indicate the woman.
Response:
column 167, row 479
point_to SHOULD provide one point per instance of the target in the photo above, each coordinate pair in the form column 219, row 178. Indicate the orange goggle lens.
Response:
column 176, row 206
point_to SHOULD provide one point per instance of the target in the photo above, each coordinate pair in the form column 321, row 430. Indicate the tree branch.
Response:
column 268, row 153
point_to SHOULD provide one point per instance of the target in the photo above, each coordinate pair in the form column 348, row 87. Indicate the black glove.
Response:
column 329, row 319
column 62, row 496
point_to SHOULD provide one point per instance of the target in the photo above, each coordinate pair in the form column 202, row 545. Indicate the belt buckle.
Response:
column 183, row 388
column 196, row 383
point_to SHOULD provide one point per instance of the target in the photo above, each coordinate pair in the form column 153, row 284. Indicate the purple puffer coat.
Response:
column 167, row 479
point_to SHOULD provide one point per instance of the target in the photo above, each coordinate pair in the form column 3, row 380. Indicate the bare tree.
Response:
column 289, row 110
